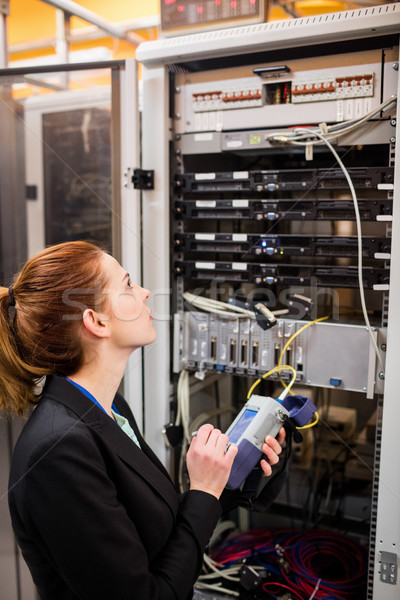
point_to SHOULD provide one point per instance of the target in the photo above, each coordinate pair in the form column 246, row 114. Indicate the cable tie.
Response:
column 200, row 374
column 315, row 589
column 324, row 128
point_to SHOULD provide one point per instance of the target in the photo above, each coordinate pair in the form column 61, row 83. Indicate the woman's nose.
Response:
column 146, row 293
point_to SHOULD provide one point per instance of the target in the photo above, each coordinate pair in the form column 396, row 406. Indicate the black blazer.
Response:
column 95, row 516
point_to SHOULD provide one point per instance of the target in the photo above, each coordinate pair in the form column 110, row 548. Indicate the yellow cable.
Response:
column 290, row 340
column 276, row 369
column 311, row 424
column 280, row 368
column 285, row 368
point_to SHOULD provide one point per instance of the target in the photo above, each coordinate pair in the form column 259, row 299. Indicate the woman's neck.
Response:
column 102, row 379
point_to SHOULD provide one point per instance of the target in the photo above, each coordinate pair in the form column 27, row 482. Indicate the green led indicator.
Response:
column 254, row 139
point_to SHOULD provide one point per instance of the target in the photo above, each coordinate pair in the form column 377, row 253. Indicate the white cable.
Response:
column 359, row 235
column 315, row 589
column 206, row 416
column 224, row 573
column 216, row 306
column 183, row 399
column 182, row 487
column 216, row 588
column 230, row 310
column 343, row 128
column 182, row 417
column 221, row 528
column 333, row 131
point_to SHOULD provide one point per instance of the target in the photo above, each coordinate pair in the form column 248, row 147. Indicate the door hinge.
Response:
column 143, row 179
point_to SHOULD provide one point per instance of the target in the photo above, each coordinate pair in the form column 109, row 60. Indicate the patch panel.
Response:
column 247, row 96
column 213, row 338
column 197, row 338
column 332, row 355
column 251, row 94
column 332, row 88
column 244, row 346
column 232, row 327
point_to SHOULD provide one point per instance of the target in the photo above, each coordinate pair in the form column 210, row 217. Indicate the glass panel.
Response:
column 12, row 187
column 67, row 144
column 77, row 175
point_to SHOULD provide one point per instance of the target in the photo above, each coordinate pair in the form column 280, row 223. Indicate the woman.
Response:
column 94, row 511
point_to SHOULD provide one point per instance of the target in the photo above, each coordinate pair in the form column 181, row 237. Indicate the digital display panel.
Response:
column 179, row 15
column 241, row 425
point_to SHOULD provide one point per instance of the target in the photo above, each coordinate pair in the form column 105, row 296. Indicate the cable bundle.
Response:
column 334, row 563
column 245, row 545
column 310, row 565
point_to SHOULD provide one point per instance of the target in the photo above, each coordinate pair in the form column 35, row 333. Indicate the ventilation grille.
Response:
column 374, row 504
column 277, row 33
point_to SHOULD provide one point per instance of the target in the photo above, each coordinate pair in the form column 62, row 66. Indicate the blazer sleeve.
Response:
column 80, row 524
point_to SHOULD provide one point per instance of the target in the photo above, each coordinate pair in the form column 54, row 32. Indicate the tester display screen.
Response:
column 241, row 425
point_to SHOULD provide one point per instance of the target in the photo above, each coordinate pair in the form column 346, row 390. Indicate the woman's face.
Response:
column 131, row 323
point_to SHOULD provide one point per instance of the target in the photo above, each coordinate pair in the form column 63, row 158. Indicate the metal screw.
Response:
column 393, row 122
column 381, row 375
column 383, row 347
column 396, row 66
column 393, row 140
column 177, row 90
column 177, row 116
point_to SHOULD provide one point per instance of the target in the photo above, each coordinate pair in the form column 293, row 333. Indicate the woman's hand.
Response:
column 209, row 460
column 272, row 449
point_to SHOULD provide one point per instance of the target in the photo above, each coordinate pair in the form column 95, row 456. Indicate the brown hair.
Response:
column 41, row 335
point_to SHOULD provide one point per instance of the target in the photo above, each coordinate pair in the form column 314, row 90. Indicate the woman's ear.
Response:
column 96, row 323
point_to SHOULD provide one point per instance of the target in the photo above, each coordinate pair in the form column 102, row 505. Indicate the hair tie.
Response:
column 11, row 299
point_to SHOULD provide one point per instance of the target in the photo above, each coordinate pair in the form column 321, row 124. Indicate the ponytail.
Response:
column 17, row 379
column 41, row 317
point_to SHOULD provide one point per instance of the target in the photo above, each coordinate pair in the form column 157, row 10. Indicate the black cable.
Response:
column 217, row 402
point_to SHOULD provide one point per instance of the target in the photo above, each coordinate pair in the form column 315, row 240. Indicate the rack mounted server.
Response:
column 304, row 209
column 243, row 272
column 279, row 245
column 284, row 180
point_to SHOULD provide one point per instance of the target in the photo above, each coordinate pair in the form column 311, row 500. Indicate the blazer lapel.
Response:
column 121, row 403
column 142, row 460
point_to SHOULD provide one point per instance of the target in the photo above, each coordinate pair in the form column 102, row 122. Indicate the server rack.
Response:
column 233, row 199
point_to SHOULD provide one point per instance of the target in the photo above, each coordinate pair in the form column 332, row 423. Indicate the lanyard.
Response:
column 92, row 398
